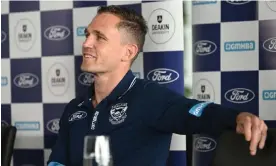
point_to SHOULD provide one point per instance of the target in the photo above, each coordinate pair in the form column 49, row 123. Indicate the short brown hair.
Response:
column 131, row 21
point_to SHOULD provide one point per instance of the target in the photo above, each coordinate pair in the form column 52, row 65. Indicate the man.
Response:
column 138, row 115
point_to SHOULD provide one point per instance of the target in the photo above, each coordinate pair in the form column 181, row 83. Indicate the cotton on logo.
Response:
column 163, row 75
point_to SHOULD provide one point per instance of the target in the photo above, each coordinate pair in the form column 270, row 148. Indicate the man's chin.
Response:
column 89, row 70
column 86, row 69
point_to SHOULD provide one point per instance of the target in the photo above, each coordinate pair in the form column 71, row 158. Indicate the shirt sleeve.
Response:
column 59, row 154
column 169, row 111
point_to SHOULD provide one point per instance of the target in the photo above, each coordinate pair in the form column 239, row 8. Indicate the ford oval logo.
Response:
column 77, row 116
column 57, row 32
column 3, row 36
column 204, row 47
column 163, row 75
column 204, row 144
column 26, row 80
column 86, row 78
column 239, row 95
column 53, row 126
column 237, row 2
column 270, row 44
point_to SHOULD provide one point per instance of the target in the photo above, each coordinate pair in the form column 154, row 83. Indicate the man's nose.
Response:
column 89, row 41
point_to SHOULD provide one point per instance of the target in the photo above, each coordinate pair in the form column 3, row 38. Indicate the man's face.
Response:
column 102, row 50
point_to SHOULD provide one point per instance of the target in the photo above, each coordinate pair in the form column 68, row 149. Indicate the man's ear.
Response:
column 131, row 51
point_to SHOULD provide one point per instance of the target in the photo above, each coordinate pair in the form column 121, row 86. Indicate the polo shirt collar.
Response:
column 120, row 90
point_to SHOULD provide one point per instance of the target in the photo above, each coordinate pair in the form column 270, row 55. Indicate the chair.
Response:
column 8, row 134
column 233, row 150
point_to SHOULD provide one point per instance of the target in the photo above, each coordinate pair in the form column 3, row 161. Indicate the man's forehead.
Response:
column 104, row 21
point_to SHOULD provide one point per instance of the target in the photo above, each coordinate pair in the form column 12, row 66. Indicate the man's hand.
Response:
column 254, row 130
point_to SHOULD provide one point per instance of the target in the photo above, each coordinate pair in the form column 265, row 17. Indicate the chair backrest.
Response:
column 8, row 134
column 233, row 150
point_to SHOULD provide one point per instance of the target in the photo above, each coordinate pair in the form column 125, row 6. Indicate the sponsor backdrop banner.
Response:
column 234, row 61
column 41, row 57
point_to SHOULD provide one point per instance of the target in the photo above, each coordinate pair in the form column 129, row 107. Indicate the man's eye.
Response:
column 99, row 37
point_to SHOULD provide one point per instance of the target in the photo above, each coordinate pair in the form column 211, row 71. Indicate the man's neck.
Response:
column 105, row 83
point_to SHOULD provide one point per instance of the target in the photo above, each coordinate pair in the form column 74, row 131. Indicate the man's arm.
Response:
column 59, row 154
column 172, row 112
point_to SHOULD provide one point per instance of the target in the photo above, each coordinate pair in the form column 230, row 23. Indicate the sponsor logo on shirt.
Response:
column 163, row 75
column 270, row 44
column 237, row 2
column 53, row 126
column 57, row 33
column 94, row 120
column 204, row 144
column 77, row 116
column 239, row 46
column 197, row 109
column 204, row 47
column 26, row 80
column 269, row 95
column 239, row 95
column 118, row 113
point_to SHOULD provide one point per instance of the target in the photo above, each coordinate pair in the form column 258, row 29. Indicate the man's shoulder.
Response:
column 73, row 104
column 147, row 84
column 151, row 88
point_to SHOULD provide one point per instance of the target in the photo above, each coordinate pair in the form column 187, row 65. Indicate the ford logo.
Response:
column 86, row 78
column 237, row 2
column 270, row 44
column 3, row 36
column 77, row 116
column 57, row 32
column 53, row 126
column 239, row 95
column 25, row 80
column 163, row 75
column 204, row 144
column 204, row 47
